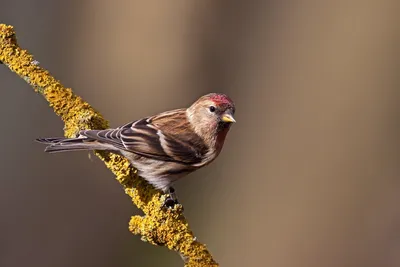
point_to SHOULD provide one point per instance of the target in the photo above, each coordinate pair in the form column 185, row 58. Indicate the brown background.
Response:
column 309, row 175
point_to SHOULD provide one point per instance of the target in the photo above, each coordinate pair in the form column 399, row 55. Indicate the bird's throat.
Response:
column 219, row 142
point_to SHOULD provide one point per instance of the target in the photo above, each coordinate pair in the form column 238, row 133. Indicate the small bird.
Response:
column 165, row 147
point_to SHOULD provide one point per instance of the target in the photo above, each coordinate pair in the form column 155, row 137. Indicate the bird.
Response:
column 164, row 147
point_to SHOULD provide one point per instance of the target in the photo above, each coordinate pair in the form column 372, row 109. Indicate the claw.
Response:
column 170, row 200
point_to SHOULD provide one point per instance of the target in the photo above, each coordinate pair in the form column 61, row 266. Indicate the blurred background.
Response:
column 309, row 175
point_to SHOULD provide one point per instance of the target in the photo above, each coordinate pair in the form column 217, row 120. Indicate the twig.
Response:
column 158, row 225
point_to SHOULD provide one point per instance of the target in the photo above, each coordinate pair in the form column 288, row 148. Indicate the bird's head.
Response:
column 212, row 115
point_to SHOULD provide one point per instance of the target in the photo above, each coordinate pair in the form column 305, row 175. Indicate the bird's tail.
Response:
column 62, row 144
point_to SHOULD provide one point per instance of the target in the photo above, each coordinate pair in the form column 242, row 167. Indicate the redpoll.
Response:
column 164, row 147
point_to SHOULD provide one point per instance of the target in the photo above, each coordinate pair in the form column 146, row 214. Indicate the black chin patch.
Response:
column 223, row 125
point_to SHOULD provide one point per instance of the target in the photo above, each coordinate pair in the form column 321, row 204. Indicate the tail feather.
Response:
column 62, row 144
column 51, row 140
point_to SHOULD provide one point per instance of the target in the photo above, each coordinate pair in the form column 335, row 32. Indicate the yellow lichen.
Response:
column 158, row 225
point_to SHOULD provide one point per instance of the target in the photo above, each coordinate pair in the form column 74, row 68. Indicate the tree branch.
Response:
column 158, row 225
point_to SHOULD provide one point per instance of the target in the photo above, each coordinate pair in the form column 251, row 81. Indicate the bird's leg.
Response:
column 171, row 199
column 173, row 194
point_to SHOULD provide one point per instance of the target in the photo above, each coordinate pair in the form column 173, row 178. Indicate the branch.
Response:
column 158, row 225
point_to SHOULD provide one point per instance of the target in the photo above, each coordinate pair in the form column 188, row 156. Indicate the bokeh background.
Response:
column 309, row 176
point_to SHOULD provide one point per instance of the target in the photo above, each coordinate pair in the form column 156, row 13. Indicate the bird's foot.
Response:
column 171, row 199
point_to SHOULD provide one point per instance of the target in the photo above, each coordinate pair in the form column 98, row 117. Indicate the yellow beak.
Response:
column 228, row 118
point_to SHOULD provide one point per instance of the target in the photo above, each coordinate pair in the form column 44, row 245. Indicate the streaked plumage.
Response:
column 164, row 147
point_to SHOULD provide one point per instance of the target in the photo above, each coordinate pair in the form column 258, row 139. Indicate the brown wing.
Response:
column 166, row 137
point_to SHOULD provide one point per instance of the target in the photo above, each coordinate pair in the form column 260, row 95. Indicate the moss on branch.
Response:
column 158, row 225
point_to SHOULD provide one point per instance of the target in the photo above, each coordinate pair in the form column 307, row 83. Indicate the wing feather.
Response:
column 166, row 137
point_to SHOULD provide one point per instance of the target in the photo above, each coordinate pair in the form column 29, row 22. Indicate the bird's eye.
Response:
column 212, row 108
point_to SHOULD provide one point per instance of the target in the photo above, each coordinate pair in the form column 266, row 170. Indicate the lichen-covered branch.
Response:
column 158, row 225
